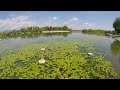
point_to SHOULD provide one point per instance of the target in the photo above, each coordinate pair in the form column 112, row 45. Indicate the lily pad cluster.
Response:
column 64, row 60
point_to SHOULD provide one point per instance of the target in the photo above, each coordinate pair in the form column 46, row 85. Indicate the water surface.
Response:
column 102, row 44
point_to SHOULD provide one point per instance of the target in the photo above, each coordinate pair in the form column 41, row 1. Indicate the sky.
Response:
column 77, row 20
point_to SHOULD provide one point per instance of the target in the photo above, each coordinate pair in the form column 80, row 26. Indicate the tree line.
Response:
column 32, row 31
column 116, row 26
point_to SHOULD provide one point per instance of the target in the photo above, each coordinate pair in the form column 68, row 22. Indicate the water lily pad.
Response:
column 1, row 70
column 19, row 63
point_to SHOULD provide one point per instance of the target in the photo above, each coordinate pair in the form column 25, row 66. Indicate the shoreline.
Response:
column 118, row 39
column 53, row 31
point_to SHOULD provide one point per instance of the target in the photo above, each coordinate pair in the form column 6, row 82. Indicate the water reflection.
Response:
column 36, row 35
column 115, row 47
column 101, row 44
column 64, row 34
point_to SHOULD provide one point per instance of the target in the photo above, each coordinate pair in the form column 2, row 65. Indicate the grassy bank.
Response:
column 96, row 32
column 99, row 32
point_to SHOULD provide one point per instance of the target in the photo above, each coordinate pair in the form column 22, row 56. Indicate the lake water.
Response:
column 102, row 44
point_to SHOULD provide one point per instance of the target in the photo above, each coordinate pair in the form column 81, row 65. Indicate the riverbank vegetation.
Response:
column 91, row 31
column 32, row 31
column 116, row 26
column 98, row 32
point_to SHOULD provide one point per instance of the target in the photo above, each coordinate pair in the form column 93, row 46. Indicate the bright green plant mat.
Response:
column 65, row 59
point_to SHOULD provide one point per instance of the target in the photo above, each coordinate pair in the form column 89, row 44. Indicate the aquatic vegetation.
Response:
column 63, row 61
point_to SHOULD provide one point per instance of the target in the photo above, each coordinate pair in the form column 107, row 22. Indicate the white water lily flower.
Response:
column 90, row 53
column 42, row 49
column 41, row 61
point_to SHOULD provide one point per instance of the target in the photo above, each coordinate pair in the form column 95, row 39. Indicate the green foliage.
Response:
column 34, row 32
column 116, row 24
column 65, row 28
column 96, row 32
column 63, row 61
column 111, row 32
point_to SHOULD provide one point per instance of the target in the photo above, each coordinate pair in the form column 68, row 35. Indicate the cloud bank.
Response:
column 17, row 22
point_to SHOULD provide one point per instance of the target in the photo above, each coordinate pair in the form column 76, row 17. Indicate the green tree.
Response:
column 116, row 24
column 50, row 28
column 65, row 27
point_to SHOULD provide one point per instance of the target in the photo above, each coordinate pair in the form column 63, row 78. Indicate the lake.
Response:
column 101, row 44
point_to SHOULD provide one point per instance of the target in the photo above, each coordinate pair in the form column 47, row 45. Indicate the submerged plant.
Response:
column 63, row 61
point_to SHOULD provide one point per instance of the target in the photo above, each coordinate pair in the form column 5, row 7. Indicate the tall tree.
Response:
column 65, row 27
column 116, row 24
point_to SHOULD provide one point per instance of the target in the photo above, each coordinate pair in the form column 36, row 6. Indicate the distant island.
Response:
column 34, row 30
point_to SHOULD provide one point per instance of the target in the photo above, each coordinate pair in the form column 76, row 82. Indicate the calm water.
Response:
column 101, row 44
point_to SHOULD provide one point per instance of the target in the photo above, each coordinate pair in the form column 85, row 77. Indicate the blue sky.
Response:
column 74, row 19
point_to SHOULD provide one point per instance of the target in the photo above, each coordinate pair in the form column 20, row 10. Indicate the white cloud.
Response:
column 83, row 25
column 72, row 23
column 86, row 23
column 55, row 18
column 73, row 19
column 52, row 19
column 89, row 25
column 15, row 23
